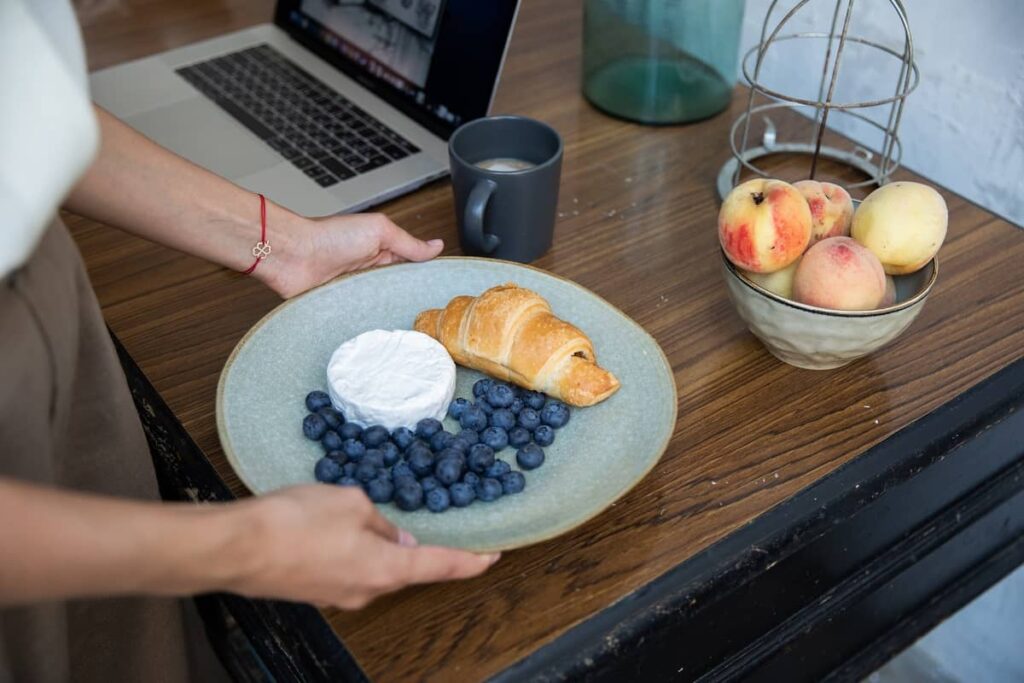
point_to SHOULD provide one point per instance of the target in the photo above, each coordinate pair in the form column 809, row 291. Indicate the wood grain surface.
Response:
column 636, row 225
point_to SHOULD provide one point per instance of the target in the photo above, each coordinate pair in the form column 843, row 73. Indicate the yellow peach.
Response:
column 780, row 282
column 903, row 224
column 764, row 225
column 840, row 274
column 831, row 208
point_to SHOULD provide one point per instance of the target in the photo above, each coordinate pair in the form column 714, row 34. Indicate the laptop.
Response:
column 337, row 105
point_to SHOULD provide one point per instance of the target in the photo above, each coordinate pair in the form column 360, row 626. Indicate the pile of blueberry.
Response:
column 429, row 465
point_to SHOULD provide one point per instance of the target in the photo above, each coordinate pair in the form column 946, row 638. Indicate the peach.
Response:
column 840, row 274
column 764, row 225
column 831, row 208
column 780, row 282
column 903, row 223
column 890, row 292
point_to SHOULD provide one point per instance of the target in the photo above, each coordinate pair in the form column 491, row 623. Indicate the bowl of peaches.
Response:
column 821, row 279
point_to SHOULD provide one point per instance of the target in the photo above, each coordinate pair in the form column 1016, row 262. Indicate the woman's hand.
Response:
column 317, row 250
column 328, row 545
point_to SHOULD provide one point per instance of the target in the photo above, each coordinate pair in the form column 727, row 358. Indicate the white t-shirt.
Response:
column 48, row 131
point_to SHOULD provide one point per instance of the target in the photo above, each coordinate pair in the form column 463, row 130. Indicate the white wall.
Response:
column 964, row 125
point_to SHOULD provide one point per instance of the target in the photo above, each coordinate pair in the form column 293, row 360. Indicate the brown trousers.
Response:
column 67, row 420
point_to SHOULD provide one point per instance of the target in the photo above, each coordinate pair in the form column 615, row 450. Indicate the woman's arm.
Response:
column 321, row 544
column 142, row 188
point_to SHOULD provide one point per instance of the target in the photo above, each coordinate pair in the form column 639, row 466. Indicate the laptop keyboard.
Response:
column 318, row 131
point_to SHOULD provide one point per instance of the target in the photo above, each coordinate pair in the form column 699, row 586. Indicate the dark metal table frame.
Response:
column 827, row 585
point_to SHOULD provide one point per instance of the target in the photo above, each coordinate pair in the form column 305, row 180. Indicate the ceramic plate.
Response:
column 602, row 453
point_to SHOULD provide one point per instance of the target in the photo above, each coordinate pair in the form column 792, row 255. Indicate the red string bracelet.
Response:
column 262, row 248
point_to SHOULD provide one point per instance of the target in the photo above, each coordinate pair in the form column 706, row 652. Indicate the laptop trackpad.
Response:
column 201, row 132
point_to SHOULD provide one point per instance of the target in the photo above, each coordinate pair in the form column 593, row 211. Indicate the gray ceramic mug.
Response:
column 506, row 208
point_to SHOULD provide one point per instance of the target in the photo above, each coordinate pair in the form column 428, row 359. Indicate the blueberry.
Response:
column 518, row 437
column 451, row 453
column 417, row 447
column 485, row 406
column 403, row 437
column 529, row 419
column 365, row 471
column 429, row 484
column 409, row 496
column 375, row 436
column 404, row 479
column 315, row 400
column 481, row 456
column 421, row 462
column 512, row 482
column 374, row 457
column 332, row 417
column 314, row 427
column 503, row 418
column 448, row 471
column 554, row 414
column 534, row 399
column 348, row 481
column 470, row 478
column 327, row 470
column 457, row 407
column 530, row 456
column 349, row 470
column 355, row 450
column 544, row 436
column 462, row 494
column 427, row 427
column 350, row 430
column 495, row 437
column 473, row 418
column 331, row 441
column 390, row 452
column 401, row 470
column 488, row 489
column 380, row 490
column 466, row 438
column 438, row 500
column 517, row 405
column 441, row 440
column 497, row 469
column 337, row 456
column 500, row 395
column 481, row 387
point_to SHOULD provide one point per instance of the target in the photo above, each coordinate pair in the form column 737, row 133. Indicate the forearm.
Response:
column 140, row 187
column 57, row 544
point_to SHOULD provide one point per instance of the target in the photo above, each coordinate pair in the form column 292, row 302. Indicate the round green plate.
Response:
column 602, row 453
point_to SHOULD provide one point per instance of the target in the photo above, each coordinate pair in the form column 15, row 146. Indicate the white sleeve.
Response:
column 48, row 132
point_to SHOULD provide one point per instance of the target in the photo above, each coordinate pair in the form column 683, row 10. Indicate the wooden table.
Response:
column 799, row 522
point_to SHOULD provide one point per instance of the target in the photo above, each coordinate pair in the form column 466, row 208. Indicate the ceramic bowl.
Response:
column 819, row 338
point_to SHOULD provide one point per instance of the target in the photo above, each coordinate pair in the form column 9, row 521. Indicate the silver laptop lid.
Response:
column 438, row 61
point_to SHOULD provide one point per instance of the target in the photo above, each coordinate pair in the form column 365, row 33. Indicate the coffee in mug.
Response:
column 505, row 164
column 505, row 176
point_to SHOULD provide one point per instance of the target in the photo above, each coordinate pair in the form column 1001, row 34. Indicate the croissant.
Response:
column 510, row 333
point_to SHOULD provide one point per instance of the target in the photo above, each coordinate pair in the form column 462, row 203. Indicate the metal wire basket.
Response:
column 880, row 112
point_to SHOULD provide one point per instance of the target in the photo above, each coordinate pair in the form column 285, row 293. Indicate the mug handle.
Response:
column 476, row 205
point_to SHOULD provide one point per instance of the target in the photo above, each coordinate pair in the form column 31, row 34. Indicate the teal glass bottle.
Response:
column 661, row 61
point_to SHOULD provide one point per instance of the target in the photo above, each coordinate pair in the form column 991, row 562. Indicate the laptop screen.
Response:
column 436, row 60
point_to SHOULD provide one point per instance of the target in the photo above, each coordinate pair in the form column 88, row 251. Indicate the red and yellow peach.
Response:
column 764, row 225
column 841, row 274
column 831, row 208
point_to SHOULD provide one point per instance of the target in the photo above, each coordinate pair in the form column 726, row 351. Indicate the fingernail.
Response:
column 493, row 557
column 407, row 539
column 436, row 243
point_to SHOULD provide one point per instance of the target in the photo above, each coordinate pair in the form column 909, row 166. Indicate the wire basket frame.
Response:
column 837, row 39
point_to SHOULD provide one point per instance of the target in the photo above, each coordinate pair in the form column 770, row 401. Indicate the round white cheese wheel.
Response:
column 391, row 378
